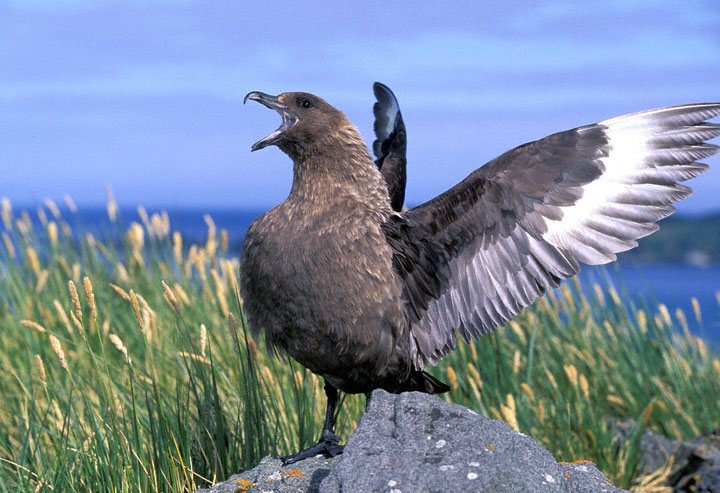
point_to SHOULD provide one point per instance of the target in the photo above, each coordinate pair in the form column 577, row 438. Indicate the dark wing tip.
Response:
column 387, row 112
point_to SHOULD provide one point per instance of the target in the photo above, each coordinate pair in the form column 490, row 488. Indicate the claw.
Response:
column 329, row 446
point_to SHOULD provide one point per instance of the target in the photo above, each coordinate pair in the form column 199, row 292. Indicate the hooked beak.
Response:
column 288, row 117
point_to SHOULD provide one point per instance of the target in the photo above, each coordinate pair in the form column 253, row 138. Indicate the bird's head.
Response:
column 307, row 121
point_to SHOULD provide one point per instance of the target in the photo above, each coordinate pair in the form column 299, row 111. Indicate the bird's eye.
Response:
column 304, row 103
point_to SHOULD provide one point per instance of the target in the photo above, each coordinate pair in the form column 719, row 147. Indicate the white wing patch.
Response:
column 647, row 155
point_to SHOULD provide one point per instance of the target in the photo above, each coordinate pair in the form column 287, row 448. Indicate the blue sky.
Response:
column 147, row 96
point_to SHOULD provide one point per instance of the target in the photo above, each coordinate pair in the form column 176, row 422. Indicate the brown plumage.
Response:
column 366, row 296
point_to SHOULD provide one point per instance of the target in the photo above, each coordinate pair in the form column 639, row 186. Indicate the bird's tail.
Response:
column 424, row 382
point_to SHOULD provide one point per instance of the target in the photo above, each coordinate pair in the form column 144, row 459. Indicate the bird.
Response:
column 367, row 294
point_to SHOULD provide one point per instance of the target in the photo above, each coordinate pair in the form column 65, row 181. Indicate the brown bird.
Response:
column 367, row 296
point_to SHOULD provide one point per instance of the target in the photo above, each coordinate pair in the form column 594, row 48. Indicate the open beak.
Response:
column 288, row 117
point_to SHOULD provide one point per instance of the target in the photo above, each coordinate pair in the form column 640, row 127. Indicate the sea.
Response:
column 639, row 284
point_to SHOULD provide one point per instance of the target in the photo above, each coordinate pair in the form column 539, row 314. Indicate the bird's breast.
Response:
column 320, row 284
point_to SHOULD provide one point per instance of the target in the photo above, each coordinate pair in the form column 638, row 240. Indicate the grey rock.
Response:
column 415, row 442
column 271, row 476
column 695, row 463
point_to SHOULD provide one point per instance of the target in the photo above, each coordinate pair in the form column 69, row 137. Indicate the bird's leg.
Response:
column 367, row 400
column 329, row 443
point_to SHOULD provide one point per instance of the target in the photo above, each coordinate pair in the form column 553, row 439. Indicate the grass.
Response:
column 131, row 369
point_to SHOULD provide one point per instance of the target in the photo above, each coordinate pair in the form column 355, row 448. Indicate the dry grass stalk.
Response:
column 224, row 241
column 6, row 213
column 178, row 247
column 452, row 378
column 40, row 366
column 112, row 206
column 122, row 274
column 571, row 372
column 8, row 245
column 77, row 323
column 180, row 294
column 42, row 281
column 53, row 208
column 136, row 239
column 551, row 378
column 614, row 399
column 33, row 260
column 203, row 339
column 665, row 314
column 680, row 315
column 58, row 350
column 75, row 299
column 170, row 296
column 42, row 216
column 527, row 390
column 90, row 294
column 515, row 327
column 585, row 387
column 508, row 412
column 63, row 316
column 641, row 318
column 211, row 243
column 220, row 292
column 120, row 292
column 29, row 324
column 516, row 362
column 197, row 357
column 475, row 374
column 52, row 231
column 117, row 342
column 696, row 309
column 135, row 304
column 70, row 203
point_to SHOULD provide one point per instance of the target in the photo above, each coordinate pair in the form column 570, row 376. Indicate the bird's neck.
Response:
column 339, row 170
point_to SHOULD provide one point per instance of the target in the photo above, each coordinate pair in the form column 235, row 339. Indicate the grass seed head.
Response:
column 75, row 299
column 117, row 342
column 452, row 378
column 58, row 350
column 90, row 295
column 29, row 324
column 203, row 339
column 70, row 203
column 9, row 245
column 170, row 296
column 40, row 366
column 120, row 292
column 52, row 231
column 53, row 208
column 63, row 316
column 178, row 247
column 6, row 213
column 527, row 390
column 696, row 309
column 33, row 260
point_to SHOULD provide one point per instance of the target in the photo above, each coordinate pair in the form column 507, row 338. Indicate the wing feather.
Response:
column 472, row 258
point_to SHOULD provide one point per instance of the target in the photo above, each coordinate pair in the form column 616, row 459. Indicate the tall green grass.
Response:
column 131, row 368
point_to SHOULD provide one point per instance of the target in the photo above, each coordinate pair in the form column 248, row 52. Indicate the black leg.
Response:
column 328, row 444
column 367, row 400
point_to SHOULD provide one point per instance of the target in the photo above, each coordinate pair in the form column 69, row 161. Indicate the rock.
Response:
column 416, row 442
column 270, row 476
column 695, row 463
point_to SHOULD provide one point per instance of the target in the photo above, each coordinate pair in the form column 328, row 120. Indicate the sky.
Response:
column 146, row 96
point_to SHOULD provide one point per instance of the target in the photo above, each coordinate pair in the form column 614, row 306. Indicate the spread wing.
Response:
column 390, row 143
column 472, row 258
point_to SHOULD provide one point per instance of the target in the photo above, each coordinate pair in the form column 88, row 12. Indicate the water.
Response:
column 671, row 284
